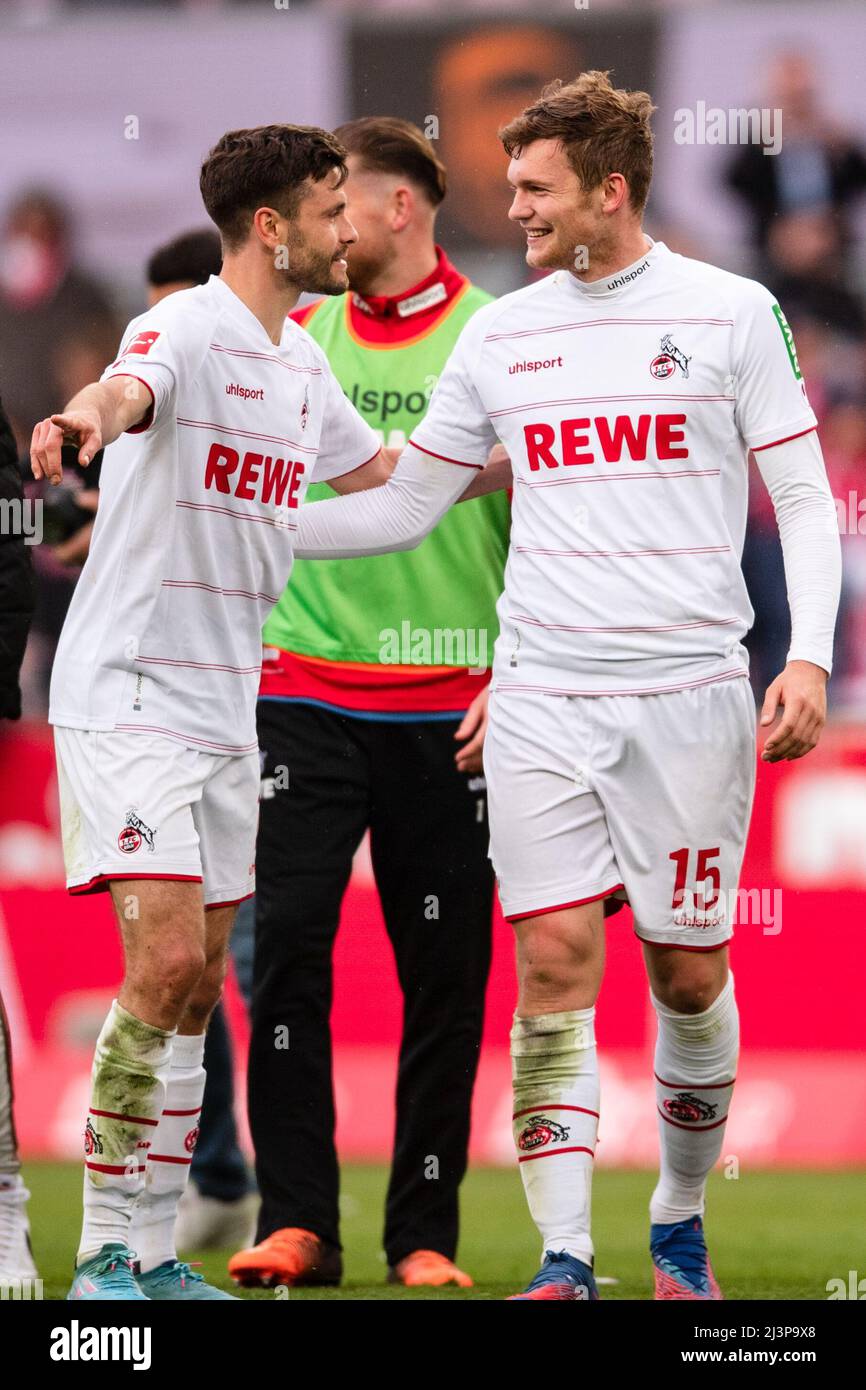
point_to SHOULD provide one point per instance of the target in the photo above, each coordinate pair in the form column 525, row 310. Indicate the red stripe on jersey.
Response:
column 561, row 907
column 235, row 516
column 622, row 554
column 658, row 627
column 444, row 457
column 216, row 589
column 265, row 357
column 758, row 448
column 199, row 665
column 245, row 434
column 183, row 738
column 584, row 400
column 621, row 477
column 533, row 1110
column 552, row 1153
column 598, row 323
column 646, row 690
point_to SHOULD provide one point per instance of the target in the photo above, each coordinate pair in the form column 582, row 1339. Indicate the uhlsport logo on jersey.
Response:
column 688, row 1109
column 539, row 1131
column 665, row 364
column 134, row 833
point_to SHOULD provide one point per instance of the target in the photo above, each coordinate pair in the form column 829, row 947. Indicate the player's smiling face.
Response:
column 551, row 206
column 319, row 236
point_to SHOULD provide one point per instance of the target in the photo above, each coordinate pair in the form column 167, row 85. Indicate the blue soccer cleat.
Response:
column 682, row 1265
column 108, row 1275
column 563, row 1277
column 175, row 1280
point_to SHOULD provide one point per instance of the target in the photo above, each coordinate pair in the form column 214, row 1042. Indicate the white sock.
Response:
column 170, row 1155
column 556, row 1096
column 130, row 1067
column 695, row 1069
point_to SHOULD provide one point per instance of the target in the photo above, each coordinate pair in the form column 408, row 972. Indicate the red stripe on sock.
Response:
column 182, row 1112
column 552, row 1153
column 166, row 1158
column 113, row 1167
column 694, row 1085
column 128, row 1119
column 533, row 1110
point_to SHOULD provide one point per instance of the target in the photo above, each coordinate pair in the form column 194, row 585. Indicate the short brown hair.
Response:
column 264, row 166
column 603, row 129
column 390, row 145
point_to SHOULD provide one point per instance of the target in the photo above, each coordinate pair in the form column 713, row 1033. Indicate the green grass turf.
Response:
column 772, row 1235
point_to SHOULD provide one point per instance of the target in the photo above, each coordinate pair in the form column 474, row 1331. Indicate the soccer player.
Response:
column 628, row 387
column 216, row 414
column 368, row 733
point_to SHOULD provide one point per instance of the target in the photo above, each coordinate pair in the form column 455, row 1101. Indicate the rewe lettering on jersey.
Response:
column 580, row 437
column 259, row 476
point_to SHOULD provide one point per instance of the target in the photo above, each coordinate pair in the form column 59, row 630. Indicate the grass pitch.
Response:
column 772, row 1235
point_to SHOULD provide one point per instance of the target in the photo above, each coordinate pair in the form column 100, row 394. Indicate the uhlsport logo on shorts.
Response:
column 688, row 1109
column 134, row 833
column 540, row 1131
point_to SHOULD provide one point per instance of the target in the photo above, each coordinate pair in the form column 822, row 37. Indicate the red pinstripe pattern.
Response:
column 267, row 357
column 598, row 323
column 533, row 1110
column 236, row 516
column 215, row 589
column 599, row 400
column 657, row 627
column 647, row 690
column 621, row 477
column 553, row 1153
column 199, row 665
column 184, row 738
column 623, row 554
column 245, row 434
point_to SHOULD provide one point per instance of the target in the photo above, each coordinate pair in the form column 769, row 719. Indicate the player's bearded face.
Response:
column 318, row 238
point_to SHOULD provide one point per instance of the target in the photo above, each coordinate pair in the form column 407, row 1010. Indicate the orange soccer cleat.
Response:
column 289, row 1256
column 427, row 1267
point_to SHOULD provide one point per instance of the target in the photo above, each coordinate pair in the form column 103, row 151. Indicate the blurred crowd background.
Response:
column 102, row 168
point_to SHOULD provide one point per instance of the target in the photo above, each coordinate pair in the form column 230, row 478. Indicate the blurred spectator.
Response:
column 819, row 168
column 190, row 259
column 57, row 327
column 16, row 582
column 804, row 253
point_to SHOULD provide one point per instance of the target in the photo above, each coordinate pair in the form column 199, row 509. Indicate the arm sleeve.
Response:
column 148, row 352
column 457, row 427
column 796, row 480
column 395, row 517
column 771, row 398
column 346, row 441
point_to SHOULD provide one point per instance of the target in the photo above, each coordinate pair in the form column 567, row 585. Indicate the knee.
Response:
column 169, row 977
column 690, row 989
column 554, row 960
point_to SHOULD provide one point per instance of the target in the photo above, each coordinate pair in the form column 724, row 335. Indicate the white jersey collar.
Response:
column 238, row 309
column 621, row 281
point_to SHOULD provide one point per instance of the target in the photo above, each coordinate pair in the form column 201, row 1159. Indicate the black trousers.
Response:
column 429, row 838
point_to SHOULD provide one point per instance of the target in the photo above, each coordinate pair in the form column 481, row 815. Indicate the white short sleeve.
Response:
column 148, row 353
column 346, row 441
column 457, row 427
column 771, row 397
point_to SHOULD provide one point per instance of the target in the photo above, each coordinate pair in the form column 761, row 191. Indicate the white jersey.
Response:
column 198, row 505
column 628, row 407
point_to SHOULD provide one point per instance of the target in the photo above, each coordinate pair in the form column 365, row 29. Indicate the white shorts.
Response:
column 138, row 806
column 643, row 797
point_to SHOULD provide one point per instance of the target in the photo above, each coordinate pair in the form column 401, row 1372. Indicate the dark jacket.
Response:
column 17, row 595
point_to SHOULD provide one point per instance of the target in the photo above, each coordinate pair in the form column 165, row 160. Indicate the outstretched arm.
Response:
column 796, row 480
column 96, row 416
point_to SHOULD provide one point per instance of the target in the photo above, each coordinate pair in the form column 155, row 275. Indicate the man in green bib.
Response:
column 371, row 717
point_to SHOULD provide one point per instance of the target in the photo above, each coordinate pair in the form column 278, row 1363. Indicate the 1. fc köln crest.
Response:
column 667, row 361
